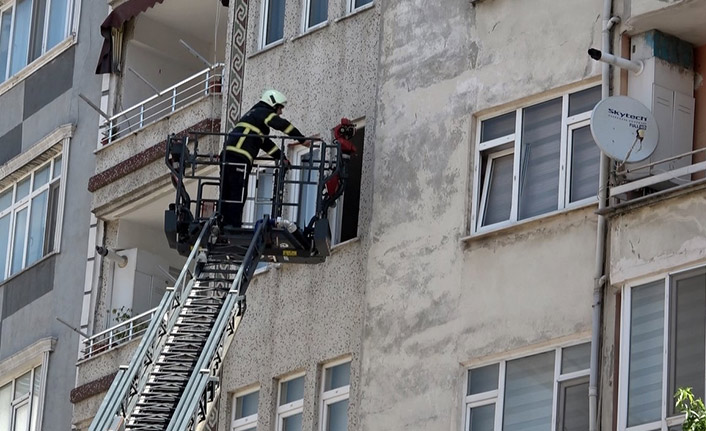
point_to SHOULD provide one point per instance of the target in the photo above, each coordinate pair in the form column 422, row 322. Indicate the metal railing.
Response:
column 673, row 177
column 116, row 336
column 201, row 84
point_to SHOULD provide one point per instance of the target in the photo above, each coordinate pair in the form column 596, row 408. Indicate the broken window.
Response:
column 536, row 160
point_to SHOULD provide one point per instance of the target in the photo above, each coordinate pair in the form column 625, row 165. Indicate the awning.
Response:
column 115, row 20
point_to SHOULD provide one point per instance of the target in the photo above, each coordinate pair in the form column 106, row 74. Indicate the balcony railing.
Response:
column 118, row 335
column 674, row 177
column 201, row 84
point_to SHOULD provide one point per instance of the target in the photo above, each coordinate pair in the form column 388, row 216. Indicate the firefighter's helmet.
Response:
column 273, row 98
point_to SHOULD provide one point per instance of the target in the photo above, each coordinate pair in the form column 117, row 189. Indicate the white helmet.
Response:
column 273, row 97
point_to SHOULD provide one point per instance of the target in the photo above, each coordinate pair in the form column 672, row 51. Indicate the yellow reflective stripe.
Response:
column 273, row 150
column 239, row 151
column 289, row 128
column 249, row 126
column 270, row 117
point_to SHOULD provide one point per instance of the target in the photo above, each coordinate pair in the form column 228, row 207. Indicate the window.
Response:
column 260, row 193
column 315, row 13
column 335, row 388
column 542, row 392
column 20, row 401
column 28, row 29
column 29, row 217
column 535, row 160
column 354, row 5
column 290, row 404
column 245, row 410
column 664, row 349
column 272, row 24
column 307, row 176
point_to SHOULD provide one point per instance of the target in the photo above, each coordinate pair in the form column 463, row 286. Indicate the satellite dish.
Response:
column 624, row 129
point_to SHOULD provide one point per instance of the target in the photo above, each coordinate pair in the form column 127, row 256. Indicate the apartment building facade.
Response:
column 46, row 133
column 476, row 272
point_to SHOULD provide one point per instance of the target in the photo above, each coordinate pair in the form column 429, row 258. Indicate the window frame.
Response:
column 512, row 144
column 28, row 360
column 295, row 407
column 25, row 203
column 496, row 396
column 247, row 422
column 334, row 395
column 264, row 15
column 251, row 205
column 306, row 25
column 351, row 8
column 666, row 421
column 69, row 27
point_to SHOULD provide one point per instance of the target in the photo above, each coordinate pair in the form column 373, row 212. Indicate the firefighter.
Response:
column 239, row 151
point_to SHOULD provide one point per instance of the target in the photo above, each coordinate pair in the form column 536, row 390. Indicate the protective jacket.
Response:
column 257, row 121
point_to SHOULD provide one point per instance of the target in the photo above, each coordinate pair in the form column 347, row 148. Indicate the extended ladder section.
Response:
column 173, row 380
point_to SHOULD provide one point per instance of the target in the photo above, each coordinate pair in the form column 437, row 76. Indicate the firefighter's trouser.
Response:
column 236, row 172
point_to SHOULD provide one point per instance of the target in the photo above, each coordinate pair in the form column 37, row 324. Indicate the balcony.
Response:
column 162, row 104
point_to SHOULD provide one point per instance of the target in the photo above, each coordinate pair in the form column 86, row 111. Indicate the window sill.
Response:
column 310, row 30
column 356, row 12
column 336, row 248
column 266, row 49
column 490, row 232
column 23, row 270
column 37, row 64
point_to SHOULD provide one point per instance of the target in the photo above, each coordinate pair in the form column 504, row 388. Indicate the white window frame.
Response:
column 512, row 144
column 497, row 396
column 334, row 395
column 306, row 25
column 28, row 360
column 350, row 8
column 26, row 203
column 250, row 207
column 290, row 409
column 246, row 422
column 666, row 421
column 69, row 27
column 264, row 14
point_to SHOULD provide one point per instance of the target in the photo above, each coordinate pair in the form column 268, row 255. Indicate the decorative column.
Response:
column 237, row 32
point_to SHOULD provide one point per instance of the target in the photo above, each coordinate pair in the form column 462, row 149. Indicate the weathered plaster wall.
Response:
column 432, row 300
column 658, row 238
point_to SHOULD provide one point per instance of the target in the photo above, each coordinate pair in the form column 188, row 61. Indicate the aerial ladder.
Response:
column 173, row 380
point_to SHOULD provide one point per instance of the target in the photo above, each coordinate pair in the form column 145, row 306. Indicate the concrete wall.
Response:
column 31, row 110
column 434, row 301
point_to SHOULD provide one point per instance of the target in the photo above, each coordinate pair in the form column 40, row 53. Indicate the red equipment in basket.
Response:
column 342, row 133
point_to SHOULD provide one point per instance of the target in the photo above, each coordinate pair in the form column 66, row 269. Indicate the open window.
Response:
column 535, row 160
